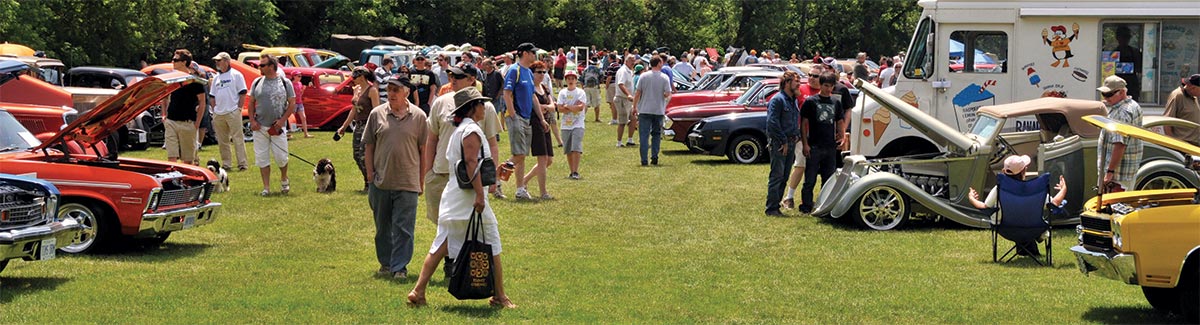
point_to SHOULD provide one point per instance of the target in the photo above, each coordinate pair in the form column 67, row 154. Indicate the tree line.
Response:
column 124, row 32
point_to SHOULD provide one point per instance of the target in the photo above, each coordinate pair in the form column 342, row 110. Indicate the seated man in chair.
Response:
column 1015, row 167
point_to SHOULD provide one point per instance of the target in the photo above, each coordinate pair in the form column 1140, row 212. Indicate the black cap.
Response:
column 526, row 47
column 465, row 70
column 401, row 80
column 1194, row 79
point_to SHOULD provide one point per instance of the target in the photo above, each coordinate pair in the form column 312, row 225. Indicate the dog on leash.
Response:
column 325, row 176
column 222, row 183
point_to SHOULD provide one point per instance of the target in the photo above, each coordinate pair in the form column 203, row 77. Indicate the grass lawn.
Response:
column 685, row 242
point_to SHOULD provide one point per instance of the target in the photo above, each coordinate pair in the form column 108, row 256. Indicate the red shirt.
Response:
column 560, row 61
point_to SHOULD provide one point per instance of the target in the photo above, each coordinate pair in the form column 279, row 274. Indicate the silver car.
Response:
column 882, row 194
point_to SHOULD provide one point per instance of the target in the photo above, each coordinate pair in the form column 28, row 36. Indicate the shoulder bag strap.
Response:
column 462, row 153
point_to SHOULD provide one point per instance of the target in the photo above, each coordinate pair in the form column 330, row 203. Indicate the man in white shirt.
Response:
column 623, row 99
column 228, row 89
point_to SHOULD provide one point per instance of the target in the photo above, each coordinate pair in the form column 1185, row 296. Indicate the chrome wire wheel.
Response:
column 882, row 208
column 86, row 218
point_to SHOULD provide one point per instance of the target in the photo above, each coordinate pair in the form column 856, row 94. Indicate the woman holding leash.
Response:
column 458, row 204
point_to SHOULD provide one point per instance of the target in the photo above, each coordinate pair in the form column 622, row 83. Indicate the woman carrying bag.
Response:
column 460, row 205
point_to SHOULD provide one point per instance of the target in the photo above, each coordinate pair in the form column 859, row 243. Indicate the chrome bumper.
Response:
column 1118, row 267
column 26, row 243
column 187, row 218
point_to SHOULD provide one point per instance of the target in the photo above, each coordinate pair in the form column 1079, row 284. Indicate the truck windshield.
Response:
column 985, row 126
column 919, row 64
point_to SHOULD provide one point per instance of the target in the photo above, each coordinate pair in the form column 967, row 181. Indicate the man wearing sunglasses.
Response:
column 1119, row 156
column 272, row 100
column 185, row 110
column 425, row 82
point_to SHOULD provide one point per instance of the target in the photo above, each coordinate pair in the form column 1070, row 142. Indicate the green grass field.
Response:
column 685, row 242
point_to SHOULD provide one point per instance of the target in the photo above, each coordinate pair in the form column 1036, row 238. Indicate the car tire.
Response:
column 881, row 208
column 98, row 228
column 1165, row 300
column 746, row 149
column 1162, row 180
column 156, row 241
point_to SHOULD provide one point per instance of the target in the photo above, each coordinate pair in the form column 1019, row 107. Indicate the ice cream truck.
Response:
column 965, row 54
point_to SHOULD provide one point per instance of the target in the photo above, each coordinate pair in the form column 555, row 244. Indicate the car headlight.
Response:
column 152, row 201
column 668, row 123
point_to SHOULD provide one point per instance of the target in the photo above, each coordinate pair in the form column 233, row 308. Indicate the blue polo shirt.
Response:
column 522, row 89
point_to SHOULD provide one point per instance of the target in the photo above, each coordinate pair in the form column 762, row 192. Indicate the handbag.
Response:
column 473, row 276
column 485, row 170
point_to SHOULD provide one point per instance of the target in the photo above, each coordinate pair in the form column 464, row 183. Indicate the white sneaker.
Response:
column 630, row 143
column 613, row 122
column 619, row 144
column 523, row 194
column 285, row 188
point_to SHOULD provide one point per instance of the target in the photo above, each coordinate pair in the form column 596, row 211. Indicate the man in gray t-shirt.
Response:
column 272, row 100
column 650, row 103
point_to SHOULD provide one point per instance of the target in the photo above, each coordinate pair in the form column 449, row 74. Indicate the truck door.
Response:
column 972, row 59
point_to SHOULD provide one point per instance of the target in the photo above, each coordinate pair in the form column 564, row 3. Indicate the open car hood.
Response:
column 936, row 130
column 1150, row 121
column 1142, row 134
column 11, row 70
column 97, row 124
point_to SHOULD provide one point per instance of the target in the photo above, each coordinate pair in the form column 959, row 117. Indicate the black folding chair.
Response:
column 1024, row 218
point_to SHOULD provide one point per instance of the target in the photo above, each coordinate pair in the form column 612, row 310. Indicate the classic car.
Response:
column 327, row 98
column 882, row 194
column 301, row 57
column 726, row 91
column 29, row 227
column 102, row 77
column 106, row 81
column 47, row 69
column 1149, row 238
column 680, row 120
column 248, row 73
column 742, row 137
column 110, row 196
column 714, row 79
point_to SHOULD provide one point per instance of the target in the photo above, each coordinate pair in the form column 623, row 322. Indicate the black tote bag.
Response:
column 473, row 276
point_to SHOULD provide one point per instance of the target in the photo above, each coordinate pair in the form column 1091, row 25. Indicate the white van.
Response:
column 1023, row 50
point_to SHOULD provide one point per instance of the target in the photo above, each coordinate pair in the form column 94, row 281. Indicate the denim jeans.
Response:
column 781, row 168
column 395, row 215
column 823, row 162
column 649, row 127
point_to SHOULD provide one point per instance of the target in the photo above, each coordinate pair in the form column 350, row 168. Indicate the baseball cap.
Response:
column 222, row 56
column 1194, row 79
column 400, row 80
column 1015, row 164
column 829, row 61
column 526, row 47
column 571, row 73
column 1111, row 84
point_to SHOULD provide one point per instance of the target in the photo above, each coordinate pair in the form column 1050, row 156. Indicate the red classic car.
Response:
column 725, row 91
column 681, row 119
column 110, row 196
column 327, row 98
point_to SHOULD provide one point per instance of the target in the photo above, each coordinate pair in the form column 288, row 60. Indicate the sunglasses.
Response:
column 540, row 71
column 456, row 77
column 178, row 60
column 266, row 65
column 1109, row 94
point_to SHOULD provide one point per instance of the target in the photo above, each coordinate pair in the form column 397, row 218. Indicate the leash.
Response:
column 289, row 152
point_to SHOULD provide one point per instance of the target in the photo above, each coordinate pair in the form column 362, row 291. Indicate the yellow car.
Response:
column 301, row 57
column 1149, row 238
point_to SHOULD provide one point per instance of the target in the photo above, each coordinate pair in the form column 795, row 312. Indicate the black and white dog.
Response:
column 324, row 176
column 222, row 183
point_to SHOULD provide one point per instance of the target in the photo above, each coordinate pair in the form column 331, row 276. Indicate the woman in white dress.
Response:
column 457, row 204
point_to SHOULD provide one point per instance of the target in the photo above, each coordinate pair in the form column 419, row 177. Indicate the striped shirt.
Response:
column 1126, row 111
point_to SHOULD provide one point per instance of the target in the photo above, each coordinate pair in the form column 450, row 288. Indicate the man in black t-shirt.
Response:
column 185, row 109
column 820, row 118
column 425, row 82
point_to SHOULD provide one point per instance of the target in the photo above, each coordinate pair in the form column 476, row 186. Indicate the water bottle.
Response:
column 506, row 170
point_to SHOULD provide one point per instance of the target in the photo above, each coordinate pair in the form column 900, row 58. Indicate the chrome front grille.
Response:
column 181, row 196
column 1095, row 224
column 16, row 215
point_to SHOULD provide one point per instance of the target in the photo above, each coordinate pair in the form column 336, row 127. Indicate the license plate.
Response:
column 141, row 137
column 48, row 248
column 189, row 221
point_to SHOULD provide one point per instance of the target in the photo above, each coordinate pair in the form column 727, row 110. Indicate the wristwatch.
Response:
column 1110, row 171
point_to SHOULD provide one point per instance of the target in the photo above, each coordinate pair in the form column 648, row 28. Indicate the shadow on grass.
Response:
column 475, row 311
column 715, row 162
column 10, row 288
column 133, row 252
column 1130, row 315
column 680, row 152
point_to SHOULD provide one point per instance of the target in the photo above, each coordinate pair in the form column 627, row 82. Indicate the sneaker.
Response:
column 402, row 275
column 619, row 144
column 523, row 194
column 805, row 209
column 644, row 164
column 613, row 122
column 285, row 188
column 546, row 196
column 774, row 213
column 630, row 143
column 264, row 192
column 242, row 168
column 499, row 192
column 788, row 203
column 654, row 161
column 383, row 271
column 574, row 176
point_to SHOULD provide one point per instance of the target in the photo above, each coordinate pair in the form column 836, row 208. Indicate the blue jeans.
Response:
column 823, row 162
column 649, row 127
column 781, row 168
column 395, row 215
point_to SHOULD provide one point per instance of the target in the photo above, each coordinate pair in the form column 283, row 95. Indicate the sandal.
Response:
column 414, row 301
column 507, row 304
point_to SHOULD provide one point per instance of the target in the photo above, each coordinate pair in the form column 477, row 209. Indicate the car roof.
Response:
column 107, row 70
column 310, row 70
column 1073, row 109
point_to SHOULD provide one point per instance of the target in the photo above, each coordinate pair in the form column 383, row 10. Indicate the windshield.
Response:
column 711, row 81
column 749, row 94
column 985, row 126
column 133, row 79
column 14, row 136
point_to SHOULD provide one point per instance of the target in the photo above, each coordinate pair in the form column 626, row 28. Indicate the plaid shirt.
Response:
column 1126, row 111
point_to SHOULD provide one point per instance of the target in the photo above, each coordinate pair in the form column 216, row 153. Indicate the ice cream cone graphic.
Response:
column 909, row 98
column 880, row 121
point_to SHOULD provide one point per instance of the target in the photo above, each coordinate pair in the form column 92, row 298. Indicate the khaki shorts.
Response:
column 610, row 92
column 434, row 185
column 800, row 159
column 593, row 97
column 624, row 108
column 180, row 139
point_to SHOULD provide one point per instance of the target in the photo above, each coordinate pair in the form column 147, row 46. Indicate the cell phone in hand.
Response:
column 337, row 136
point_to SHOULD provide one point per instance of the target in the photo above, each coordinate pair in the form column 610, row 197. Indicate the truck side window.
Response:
column 918, row 63
column 987, row 49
